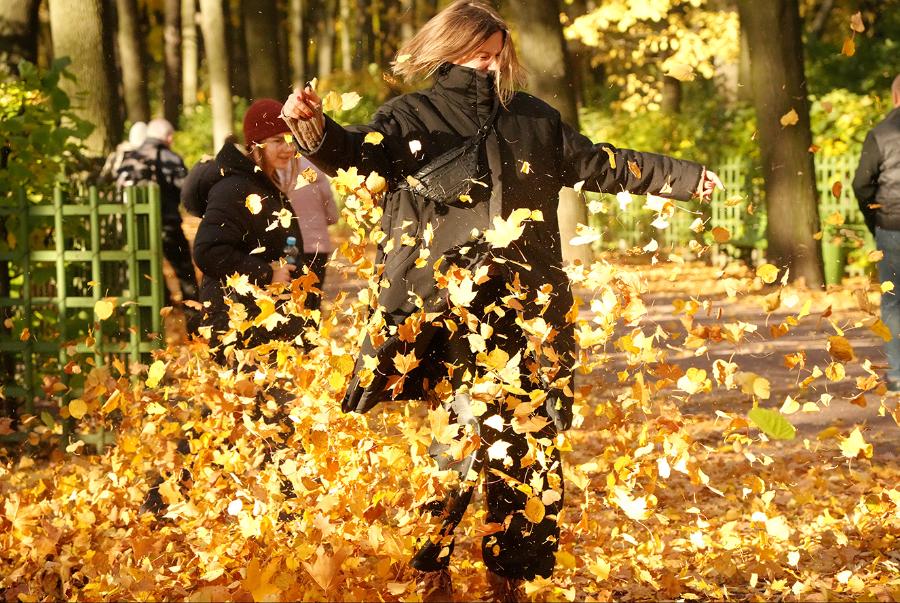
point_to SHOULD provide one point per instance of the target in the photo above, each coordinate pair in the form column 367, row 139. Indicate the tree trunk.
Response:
column 189, row 54
column 779, row 87
column 261, row 33
column 362, row 54
column 821, row 19
column 325, row 46
column 542, row 49
column 18, row 32
column 235, row 33
column 212, row 22
column 407, row 19
column 45, row 38
column 131, row 57
column 745, row 79
column 297, row 40
column 81, row 31
column 671, row 95
column 172, row 61
column 346, row 30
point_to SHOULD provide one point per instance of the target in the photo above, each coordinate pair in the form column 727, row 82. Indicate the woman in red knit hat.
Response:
column 248, row 229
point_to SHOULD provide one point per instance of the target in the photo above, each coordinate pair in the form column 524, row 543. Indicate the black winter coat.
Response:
column 530, row 155
column 877, row 179
column 228, row 236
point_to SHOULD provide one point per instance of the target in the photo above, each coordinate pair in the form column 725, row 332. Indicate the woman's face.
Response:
column 277, row 151
column 487, row 56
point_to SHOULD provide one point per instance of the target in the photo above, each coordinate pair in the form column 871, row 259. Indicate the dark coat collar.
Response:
column 469, row 89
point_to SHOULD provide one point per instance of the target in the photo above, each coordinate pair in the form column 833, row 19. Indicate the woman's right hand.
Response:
column 303, row 104
column 302, row 112
column 281, row 273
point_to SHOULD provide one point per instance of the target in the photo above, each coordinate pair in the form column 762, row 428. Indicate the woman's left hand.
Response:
column 709, row 182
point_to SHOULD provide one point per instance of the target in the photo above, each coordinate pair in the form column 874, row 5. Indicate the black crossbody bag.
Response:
column 447, row 177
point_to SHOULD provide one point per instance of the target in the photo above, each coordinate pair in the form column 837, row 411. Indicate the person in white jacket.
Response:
column 309, row 191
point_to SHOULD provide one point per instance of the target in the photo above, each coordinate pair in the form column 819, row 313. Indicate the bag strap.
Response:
column 486, row 128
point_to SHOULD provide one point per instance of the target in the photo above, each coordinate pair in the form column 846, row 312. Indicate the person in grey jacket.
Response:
column 877, row 189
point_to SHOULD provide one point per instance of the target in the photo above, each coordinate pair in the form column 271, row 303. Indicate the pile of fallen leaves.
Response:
column 270, row 492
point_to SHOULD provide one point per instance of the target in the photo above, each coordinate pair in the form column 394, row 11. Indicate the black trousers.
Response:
column 178, row 252
column 524, row 546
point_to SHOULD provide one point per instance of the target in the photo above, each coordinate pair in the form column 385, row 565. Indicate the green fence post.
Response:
column 61, row 294
column 96, row 267
column 94, row 201
column 155, row 243
column 133, row 277
column 25, row 261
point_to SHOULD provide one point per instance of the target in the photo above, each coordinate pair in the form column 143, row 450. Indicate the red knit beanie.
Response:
column 263, row 120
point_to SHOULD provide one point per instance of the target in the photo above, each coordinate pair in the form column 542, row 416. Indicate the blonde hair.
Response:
column 456, row 33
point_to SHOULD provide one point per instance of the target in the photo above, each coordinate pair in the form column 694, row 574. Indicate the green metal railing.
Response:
column 65, row 258
column 741, row 210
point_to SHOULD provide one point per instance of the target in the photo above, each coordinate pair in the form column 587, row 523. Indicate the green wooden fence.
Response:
column 741, row 210
column 64, row 258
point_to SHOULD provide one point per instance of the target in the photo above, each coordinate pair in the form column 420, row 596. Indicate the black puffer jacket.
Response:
column 877, row 180
column 529, row 156
column 232, row 240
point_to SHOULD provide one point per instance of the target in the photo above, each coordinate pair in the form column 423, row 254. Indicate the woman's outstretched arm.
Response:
column 606, row 169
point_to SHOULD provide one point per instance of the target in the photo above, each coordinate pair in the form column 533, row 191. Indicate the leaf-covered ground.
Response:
column 671, row 491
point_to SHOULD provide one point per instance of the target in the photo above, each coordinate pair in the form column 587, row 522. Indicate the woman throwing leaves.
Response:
column 473, row 309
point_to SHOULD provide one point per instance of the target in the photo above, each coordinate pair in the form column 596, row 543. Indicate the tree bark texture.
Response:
column 779, row 86
column 346, row 34
column 78, row 32
column 18, row 32
column 542, row 48
column 130, row 41
column 362, row 33
column 297, row 40
column 212, row 22
column 189, row 53
column 261, row 34
column 671, row 95
column 238, row 65
column 172, row 61
column 325, row 45
column 407, row 19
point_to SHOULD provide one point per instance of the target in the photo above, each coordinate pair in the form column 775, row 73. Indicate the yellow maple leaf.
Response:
column 253, row 203
column 635, row 508
column 347, row 181
column 849, row 47
column 882, row 330
column 373, row 138
column 721, row 235
column 77, row 408
column 768, row 273
column 332, row 102
column 534, row 510
column 349, row 100
column 404, row 363
column 506, row 231
column 679, row 71
column 790, row 118
column 103, row 309
column 840, row 348
column 854, row 445
column 259, row 583
column 156, row 373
